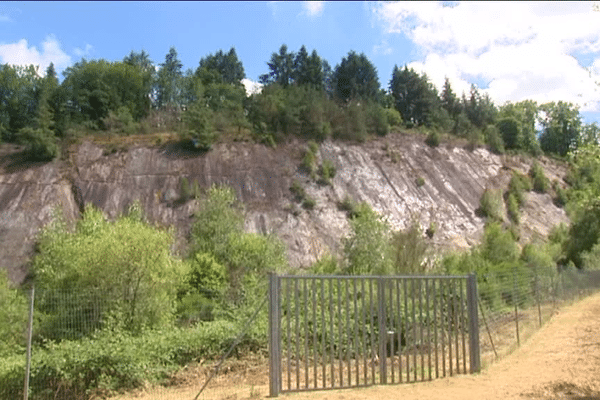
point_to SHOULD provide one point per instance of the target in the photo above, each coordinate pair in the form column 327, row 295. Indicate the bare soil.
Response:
column 559, row 361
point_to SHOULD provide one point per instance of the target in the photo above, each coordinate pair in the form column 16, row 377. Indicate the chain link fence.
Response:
column 516, row 302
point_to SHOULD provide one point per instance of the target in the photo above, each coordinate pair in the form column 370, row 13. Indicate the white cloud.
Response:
column 251, row 86
column 313, row 8
column 20, row 53
column 520, row 50
column 5, row 18
column 83, row 52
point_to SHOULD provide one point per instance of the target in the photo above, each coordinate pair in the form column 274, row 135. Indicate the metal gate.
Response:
column 338, row 332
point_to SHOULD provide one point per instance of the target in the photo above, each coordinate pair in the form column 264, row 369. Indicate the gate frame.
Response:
column 275, row 324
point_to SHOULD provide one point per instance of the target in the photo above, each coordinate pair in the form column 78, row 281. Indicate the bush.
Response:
column 348, row 205
column 420, row 181
column 393, row 117
column 490, row 205
column 185, row 191
column 494, row 139
column 13, row 317
column 327, row 172
column 198, row 120
column 121, row 121
column 433, row 139
column 560, row 198
column 40, row 144
column 409, row 250
column 518, row 185
column 540, row 182
column 309, row 161
column 512, row 206
column 297, row 190
column 309, row 203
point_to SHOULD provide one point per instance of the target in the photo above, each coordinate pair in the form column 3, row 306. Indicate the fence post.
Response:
column 382, row 330
column 516, row 304
column 274, row 336
column 29, row 334
column 474, row 350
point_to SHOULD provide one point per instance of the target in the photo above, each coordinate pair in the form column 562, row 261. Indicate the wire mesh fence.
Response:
column 516, row 302
column 83, row 343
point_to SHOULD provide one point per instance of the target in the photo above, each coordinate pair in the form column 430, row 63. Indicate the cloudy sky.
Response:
column 511, row 50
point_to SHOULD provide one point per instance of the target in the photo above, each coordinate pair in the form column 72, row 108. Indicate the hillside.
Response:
column 385, row 172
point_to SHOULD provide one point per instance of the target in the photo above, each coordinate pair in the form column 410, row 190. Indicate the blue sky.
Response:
column 513, row 51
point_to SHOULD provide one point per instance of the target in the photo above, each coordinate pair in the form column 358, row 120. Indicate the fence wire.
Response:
column 516, row 302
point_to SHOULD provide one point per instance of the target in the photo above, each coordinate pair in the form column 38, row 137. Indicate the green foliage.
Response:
column 540, row 182
column 409, row 250
column 169, row 80
column 309, row 161
column 420, row 181
column 367, row 249
column 93, row 88
column 198, row 126
column 120, row 120
column 309, row 203
column 498, row 245
column 184, row 189
column 13, row 317
column 414, row 96
column 561, row 127
column 348, row 205
column 327, row 171
column 494, row 139
column 115, row 361
column 394, row 118
column 125, row 268
column 297, row 190
column 510, row 132
column 560, row 195
column 512, row 208
column 517, row 186
column 326, row 265
column 490, row 205
column 228, row 67
column 433, row 139
column 219, row 216
column 355, row 78
column 19, row 91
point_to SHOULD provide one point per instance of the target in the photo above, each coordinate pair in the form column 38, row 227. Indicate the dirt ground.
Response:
column 560, row 361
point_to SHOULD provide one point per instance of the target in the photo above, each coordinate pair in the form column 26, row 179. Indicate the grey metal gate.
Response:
column 337, row 332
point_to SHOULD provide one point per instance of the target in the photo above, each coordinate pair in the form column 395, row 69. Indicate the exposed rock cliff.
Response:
column 399, row 176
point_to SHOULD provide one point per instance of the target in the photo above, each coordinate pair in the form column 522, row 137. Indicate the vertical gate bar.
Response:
column 462, row 324
column 372, row 336
column 348, row 331
column 289, row 334
column 414, row 321
column 405, row 282
column 356, row 334
column 421, row 329
column 297, row 327
column 340, row 326
column 391, row 324
column 306, row 333
column 382, row 330
column 456, row 327
column 449, row 319
column 516, row 306
column 472, row 302
column 332, row 333
column 274, row 337
column 315, row 346
column 324, row 334
column 364, row 331
column 428, row 328
column 399, row 329
column 435, row 326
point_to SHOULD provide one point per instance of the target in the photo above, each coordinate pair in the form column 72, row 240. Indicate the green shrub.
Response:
column 409, row 250
column 433, row 139
column 494, row 139
column 420, row 181
column 13, row 317
column 198, row 128
column 184, row 189
column 490, row 205
column 309, row 162
column 348, row 205
column 394, row 118
column 309, row 203
column 560, row 195
column 518, row 185
column 512, row 208
column 327, row 171
column 540, row 182
column 297, row 190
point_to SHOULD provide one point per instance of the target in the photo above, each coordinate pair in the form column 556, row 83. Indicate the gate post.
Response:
column 475, row 362
column 381, row 319
column 274, row 336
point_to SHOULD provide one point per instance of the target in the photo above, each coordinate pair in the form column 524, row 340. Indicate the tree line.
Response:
column 302, row 95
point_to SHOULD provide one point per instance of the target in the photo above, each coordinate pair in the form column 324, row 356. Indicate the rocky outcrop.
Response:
column 399, row 176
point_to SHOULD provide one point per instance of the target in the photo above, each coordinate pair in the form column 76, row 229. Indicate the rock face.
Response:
column 399, row 176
